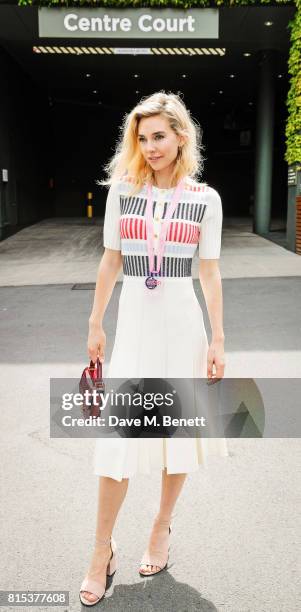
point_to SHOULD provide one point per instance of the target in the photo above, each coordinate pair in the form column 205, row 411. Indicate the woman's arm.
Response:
column 210, row 279
column 108, row 271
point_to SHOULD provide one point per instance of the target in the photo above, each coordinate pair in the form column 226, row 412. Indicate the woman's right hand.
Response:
column 96, row 343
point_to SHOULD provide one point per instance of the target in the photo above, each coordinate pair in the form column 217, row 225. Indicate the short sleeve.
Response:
column 211, row 226
column 111, row 228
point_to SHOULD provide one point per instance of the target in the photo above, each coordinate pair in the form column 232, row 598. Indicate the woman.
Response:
column 160, row 329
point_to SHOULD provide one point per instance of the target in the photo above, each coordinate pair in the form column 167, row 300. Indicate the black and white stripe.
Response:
column 138, row 265
column 186, row 211
column 133, row 205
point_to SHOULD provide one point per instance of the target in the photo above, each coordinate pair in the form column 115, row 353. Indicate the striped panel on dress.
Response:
column 138, row 265
column 134, row 228
column 139, row 247
column 186, row 211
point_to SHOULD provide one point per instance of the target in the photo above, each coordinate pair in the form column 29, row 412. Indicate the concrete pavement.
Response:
column 236, row 537
column 59, row 251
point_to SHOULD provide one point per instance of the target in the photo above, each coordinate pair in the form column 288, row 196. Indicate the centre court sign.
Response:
column 128, row 23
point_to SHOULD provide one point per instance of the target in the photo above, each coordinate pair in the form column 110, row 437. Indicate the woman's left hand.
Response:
column 216, row 357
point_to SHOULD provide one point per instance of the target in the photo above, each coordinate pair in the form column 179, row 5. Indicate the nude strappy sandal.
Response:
column 94, row 587
column 156, row 557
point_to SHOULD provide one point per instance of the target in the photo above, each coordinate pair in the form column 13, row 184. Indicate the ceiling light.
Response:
column 250, row 103
column 280, row 76
column 268, row 23
column 184, row 76
column 136, row 76
column 220, row 91
column 137, row 91
column 247, row 54
column 231, row 76
column 88, row 75
column 95, row 91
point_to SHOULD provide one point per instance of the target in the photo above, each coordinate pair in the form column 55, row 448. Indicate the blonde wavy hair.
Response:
column 128, row 161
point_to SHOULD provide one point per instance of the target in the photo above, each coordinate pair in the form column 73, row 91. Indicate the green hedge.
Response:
column 293, row 101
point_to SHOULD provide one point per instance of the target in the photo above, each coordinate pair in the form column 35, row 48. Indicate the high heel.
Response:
column 156, row 556
column 94, row 587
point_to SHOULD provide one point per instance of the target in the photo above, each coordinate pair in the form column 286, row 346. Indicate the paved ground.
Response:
column 236, row 537
column 46, row 253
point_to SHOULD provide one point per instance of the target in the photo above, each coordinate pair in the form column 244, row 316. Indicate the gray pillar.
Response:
column 264, row 143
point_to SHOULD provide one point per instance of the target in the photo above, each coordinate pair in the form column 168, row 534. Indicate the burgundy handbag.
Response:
column 92, row 379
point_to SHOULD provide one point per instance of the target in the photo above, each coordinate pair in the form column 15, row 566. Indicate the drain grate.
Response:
column 83, row 287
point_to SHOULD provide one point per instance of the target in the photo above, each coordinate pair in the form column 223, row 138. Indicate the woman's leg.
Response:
column 170, row 490
column 111, row 494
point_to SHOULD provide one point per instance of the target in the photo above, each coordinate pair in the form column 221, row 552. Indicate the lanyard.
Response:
column 163, row 233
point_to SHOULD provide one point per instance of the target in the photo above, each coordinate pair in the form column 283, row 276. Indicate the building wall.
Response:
column 24, row 147
column 70, row 141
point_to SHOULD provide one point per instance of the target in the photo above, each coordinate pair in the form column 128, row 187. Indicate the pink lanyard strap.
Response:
column 163, row 233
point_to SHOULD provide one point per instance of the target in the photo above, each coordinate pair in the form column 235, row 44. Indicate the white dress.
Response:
column 160, row 333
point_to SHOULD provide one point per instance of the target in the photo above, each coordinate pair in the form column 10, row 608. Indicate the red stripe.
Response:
column 188, row 233
column 175, row 231
column 168, row 236
column 135, row 228
column 181, row 232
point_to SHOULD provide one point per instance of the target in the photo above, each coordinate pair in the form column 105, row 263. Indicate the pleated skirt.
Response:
column 160, row 333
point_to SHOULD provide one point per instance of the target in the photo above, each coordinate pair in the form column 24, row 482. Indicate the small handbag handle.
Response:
column 96, row 366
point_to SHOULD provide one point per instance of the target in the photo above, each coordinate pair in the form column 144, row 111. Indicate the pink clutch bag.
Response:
column 91, row 380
